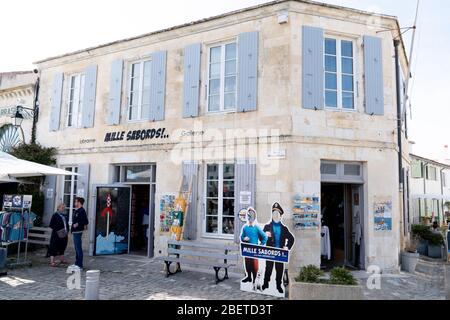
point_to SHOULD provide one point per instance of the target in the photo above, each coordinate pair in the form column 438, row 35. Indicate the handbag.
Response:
column 62, row 233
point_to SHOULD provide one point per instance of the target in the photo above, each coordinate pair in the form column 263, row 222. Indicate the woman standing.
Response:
column 59, row 237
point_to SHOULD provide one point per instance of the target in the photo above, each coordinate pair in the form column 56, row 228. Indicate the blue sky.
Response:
column 32, row 30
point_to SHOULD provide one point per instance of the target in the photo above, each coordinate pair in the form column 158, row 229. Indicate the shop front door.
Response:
column 112, row 223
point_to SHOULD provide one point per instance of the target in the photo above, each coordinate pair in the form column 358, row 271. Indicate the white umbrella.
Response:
column 13, row 167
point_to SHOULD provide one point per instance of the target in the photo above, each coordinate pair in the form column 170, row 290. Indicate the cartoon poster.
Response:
column 306, row 212
column 265, row 250
column 166, row 212
column 382, row 215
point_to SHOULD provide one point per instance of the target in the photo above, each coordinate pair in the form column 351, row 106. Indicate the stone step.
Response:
column 432, row 269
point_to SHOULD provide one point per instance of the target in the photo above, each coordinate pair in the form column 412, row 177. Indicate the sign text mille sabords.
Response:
column 134, row 135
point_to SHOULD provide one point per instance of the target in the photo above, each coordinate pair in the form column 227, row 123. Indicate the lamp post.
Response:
column 19, row 117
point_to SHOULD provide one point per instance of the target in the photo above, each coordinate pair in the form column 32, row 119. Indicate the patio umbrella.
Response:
column 13, row 167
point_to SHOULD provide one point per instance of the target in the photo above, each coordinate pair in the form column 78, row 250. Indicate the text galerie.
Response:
column 134, row 135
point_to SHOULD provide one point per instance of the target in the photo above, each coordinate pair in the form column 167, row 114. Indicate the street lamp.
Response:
column 18, row 117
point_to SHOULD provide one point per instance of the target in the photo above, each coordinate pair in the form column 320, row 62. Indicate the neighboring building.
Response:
column 284, row 101
column 16, row 89
column 429, row 190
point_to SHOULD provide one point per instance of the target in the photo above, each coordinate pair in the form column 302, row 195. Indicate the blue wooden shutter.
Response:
column 247, row 94
column 190, row 173
column 313, row 68
column 191, row 90
column 49, row 198
column 115, row 93
column 158, row 86
column 90, row 88
column 83, row 181
column 373, row 71
column 55, row 109
column 245, row 180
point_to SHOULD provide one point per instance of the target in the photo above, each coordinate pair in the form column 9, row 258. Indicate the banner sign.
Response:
column 136, row 135
column 264, row 253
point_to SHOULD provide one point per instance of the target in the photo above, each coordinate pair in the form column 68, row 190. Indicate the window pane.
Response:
column 230, row 101
column 212, row 207
column 135, row 84
column 228, row 171
column 228, row 225
column 135, row 69
column 230, row 67
column 331, row 99
column 228, row 189
column 216, row 53
column 347, row 48
column 352, row 169
column 213, row 172
column 138, row 173
column 214, row 86
column 230, row 51
column 330, row 63
column 347, row 100
column 228, row 207
column 211, row 225
column 347, row 83
column 134, row 99
column 212, row 189
column 147, row 68
column 214, row 103
column 133, row 113
column 330, row 46
column 230, row 84
column 330, row 81
column 146, row 97
column 214, row 71
column 347, row 65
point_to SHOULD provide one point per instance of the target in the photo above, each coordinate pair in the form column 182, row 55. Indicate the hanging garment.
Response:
column 6, row 226
column 1, row 227
column 28, row 222
column 358, row 234
column 16, row 229
column 325, row 245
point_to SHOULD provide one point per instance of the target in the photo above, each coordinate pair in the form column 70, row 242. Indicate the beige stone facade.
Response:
column 300, row 138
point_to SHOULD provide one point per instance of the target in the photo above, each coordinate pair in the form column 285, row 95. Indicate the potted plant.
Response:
column 410, row 257
column 311, row 284
column 419, row 232
column 435, row 242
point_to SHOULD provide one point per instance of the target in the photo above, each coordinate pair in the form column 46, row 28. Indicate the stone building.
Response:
column 289, row 101
column 16, row 89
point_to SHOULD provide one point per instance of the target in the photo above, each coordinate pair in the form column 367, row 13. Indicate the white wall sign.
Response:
column 49, row 194
column 245, row 197
column 276, row 154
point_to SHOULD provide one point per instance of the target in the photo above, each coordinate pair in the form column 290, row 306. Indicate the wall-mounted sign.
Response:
column 276, row 154
column 11, row 110
column 306, row 212
column 382, row 215
column 135, row 135
column 245, row 198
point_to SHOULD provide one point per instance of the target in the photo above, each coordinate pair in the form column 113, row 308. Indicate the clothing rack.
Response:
column 8, row 207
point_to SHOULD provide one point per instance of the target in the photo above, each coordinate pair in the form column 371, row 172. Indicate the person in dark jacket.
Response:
column 278, row 236
column 79, row 223
column 59, row 237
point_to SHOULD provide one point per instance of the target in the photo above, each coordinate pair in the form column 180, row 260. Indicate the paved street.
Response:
column 137, row 278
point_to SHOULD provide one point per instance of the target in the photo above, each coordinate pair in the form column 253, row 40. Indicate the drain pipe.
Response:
column 399, row 114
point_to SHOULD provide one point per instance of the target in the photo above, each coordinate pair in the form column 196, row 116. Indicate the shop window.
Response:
column 341, row 171
column 339, row 74
column 135, row 174
column 69, row 191
column 219, row 200
column 222, row 77
column 139, row 90
column 75, row 100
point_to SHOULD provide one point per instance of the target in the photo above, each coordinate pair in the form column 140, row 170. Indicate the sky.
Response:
column 32, row 30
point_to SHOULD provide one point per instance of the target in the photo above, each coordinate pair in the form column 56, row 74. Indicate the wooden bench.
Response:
column 40, row 236
column 200, row 254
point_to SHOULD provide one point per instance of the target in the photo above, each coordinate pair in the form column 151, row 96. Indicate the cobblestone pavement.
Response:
column 138, row 278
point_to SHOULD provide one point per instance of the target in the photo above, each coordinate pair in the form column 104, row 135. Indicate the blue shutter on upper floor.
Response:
column 90, row 88
column 115, row 92
column 247, row 95
column 373, row 75
column 245, row 181
column 313, row 68
column 158, row 86
column 191, row 91
column 55, row 103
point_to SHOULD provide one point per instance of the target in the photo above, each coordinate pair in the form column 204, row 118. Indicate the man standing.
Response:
column 278, row 236
column 252, row 233
column 79, row 222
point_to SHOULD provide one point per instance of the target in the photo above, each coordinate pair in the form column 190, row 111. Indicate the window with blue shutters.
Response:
column 75, row 100
column 222, row 77
column 139, row 90
column 339, row 73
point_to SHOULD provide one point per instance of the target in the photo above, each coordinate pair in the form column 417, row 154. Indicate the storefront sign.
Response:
column 382, row 215
column 306, row 212
column 136, row 135
column 245, row 198
column 264, row 253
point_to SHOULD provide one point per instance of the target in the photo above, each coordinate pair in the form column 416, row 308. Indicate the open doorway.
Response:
column 140, row 219
column 342, row 226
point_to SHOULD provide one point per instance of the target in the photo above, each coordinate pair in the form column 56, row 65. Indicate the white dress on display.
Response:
column 325, row 245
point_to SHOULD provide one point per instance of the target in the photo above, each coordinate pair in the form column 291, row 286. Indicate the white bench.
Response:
column 40, row 236
column 200, row 254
